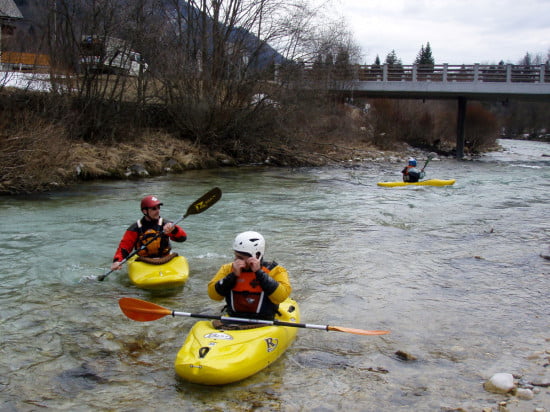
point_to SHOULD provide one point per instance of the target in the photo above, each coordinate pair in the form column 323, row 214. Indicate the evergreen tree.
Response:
column 419, row 56
column 395, row 67
column 527, row 60
column 392, row 60
column 376, row 69
column 424, row 56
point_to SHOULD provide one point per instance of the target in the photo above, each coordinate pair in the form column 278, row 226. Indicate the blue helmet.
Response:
column 412, row 161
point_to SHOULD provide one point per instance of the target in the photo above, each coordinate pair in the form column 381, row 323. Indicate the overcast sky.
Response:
column 459, row 31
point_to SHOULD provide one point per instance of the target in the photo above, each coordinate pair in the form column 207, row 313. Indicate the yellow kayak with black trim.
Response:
column 211, row 356
column 429, row 182
column 158, row 276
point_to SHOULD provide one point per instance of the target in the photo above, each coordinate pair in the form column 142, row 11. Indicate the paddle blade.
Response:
column 142, row 311
column 207, row 200
column 358, row 331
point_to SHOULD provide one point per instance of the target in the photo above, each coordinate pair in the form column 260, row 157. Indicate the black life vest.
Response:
column 158, row 247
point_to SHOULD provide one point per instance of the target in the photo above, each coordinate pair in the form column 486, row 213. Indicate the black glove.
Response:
column 267, row 283
column 224, row 286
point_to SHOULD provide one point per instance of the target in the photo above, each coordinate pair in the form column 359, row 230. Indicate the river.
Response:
column 455, row 273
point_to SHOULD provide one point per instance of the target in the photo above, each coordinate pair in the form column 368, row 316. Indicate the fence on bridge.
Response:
column 504, row 73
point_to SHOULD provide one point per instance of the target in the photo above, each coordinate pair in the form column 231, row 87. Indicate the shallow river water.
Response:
column 455, row 273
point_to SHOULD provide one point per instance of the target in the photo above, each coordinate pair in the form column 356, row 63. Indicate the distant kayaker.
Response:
column 252, row 288
column 150, row 226
column 410, row 173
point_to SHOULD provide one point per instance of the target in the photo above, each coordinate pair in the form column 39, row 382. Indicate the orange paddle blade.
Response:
column 358, row 331
column 141, row 310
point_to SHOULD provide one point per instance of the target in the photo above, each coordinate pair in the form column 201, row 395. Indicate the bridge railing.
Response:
column 507, row 73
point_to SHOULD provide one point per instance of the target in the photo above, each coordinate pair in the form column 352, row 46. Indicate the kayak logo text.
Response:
column 218, row 335
column 272, row 344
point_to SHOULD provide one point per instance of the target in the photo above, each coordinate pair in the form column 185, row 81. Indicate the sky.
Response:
column 459, row 31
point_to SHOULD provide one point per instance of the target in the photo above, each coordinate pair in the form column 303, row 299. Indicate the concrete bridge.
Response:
column 460, row 82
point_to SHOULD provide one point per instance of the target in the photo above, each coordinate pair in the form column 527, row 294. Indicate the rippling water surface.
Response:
column 455, row 273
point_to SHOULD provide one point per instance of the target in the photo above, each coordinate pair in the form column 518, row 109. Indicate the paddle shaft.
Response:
column 143, row 311
column 245, row 320
column 426, row 164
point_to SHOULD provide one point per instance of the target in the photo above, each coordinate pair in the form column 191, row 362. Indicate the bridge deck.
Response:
column 436, row 82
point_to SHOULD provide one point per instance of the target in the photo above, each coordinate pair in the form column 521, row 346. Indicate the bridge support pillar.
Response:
column 460, row 121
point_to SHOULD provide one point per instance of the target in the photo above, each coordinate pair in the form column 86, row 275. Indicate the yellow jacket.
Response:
column 276, row 272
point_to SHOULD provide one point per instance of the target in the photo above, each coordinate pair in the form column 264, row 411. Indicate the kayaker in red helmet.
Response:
column 252, row 288
column 146, row 228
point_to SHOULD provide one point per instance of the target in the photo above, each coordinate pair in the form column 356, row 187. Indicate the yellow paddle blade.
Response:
column 142, row 311
column 206, row 200
column 358, row 331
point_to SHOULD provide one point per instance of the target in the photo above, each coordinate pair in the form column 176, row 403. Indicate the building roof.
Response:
column 9, row 10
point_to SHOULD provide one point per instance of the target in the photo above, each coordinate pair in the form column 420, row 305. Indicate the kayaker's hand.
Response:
column 254, row 264
column 238, row 266
column 116, row 265
column 168, row 227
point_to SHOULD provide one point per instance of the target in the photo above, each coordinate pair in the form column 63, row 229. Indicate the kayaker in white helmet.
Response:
column 150, row 226
column 251, row 287
column 410, row 173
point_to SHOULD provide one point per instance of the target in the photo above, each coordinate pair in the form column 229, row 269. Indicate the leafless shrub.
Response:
column 431, row 124
column 27, row 148
column 481, row 129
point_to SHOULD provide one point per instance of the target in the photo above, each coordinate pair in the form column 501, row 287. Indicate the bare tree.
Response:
column 207, row 65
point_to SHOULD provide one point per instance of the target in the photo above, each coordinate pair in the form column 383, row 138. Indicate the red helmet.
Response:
column 150, row 201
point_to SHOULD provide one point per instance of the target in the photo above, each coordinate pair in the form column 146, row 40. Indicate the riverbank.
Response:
column 50, row 144
column 41, row 164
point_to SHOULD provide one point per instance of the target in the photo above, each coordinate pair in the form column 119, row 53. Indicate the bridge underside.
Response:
column 449, row 90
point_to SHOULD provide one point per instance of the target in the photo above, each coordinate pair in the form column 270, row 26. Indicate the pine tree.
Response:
column 428, row 58
column 392, row 60
column 395, row 67
column 376, row 69
column 419, row 56
column 424, row 56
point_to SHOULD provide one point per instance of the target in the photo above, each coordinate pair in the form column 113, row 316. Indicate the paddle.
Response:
column 142, row 311
column 422, row 173
column 198, row 206
column 430, row 157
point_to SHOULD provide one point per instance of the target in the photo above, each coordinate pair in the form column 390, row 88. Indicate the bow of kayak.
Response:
column 212, row 356
column 169, row 275
column 429, row 182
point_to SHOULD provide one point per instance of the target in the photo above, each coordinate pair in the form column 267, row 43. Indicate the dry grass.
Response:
column 36, row 155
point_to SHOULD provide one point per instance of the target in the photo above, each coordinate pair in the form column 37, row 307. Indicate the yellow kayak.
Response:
column 429, row 182
column 212, row 356
column 172, row 274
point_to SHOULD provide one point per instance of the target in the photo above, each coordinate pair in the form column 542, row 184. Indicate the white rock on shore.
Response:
column 500, row 383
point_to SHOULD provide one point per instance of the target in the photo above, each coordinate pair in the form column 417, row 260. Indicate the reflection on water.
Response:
column 454, row 272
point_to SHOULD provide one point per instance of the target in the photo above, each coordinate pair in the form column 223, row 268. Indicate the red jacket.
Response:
column 143, row 230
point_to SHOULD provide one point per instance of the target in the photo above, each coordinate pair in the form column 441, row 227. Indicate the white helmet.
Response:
column 250, row 242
